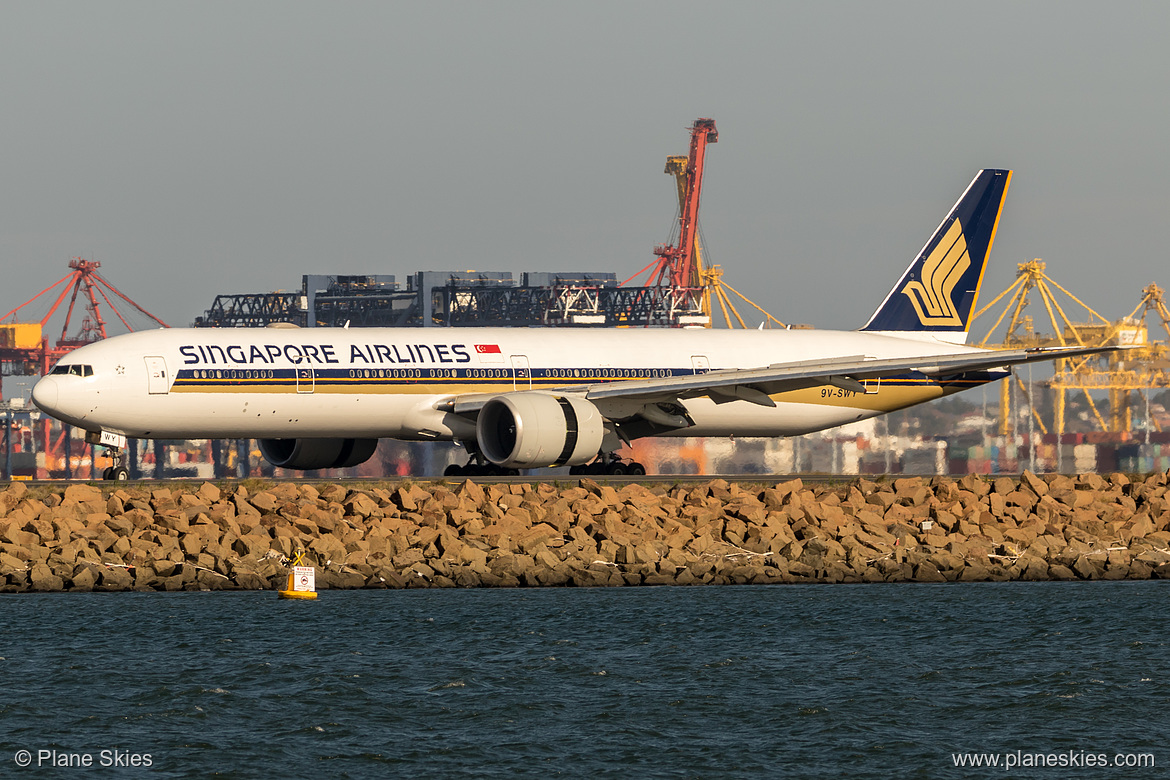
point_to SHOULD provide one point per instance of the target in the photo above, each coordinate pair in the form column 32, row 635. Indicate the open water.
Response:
column 866, row 681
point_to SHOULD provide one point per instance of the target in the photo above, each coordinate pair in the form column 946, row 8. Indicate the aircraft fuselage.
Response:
column 376, row 383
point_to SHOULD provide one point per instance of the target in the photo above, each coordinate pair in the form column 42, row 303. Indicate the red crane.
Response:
column 83, row 278
column 25, row 350
column 675, row 265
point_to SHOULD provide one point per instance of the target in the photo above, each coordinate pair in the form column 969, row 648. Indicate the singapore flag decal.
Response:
column 489, row 353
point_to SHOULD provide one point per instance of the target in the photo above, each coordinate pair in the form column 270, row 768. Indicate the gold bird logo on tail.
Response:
column 941, row 271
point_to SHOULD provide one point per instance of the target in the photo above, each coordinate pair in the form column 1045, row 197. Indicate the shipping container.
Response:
column 20, row 335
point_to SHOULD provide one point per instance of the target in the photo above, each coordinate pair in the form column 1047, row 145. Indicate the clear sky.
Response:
column 211, row 147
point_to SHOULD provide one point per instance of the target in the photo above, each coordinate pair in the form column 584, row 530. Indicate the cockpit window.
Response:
column 76, row 369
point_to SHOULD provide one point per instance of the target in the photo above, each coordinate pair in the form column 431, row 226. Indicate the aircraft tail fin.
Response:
column 936, row 295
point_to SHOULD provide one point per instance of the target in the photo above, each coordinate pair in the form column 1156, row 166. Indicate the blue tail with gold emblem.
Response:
column 936, row 296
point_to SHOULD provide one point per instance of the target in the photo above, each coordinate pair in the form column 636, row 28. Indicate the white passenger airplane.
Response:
column 530, row 398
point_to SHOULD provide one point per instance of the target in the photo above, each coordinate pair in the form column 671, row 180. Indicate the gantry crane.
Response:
column 710, row 279
column 674, row 271
column 1142, row 366
column 676, row 262
column 25, row 350
column 678, row 269
column 1120, row 373
column 83, row 279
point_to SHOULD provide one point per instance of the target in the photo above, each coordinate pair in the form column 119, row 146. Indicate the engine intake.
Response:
column 537, row 430
column 312, row 454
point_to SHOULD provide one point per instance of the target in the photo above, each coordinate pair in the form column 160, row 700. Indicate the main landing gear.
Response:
column 478, row 467
column 609, row 464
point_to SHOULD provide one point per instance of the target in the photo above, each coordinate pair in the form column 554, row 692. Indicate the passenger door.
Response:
column 157, row 381
column 521, row 373
column 306, row 378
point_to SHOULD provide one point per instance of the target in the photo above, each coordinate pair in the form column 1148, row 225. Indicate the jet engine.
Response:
column 536, row 430
column 312, row 454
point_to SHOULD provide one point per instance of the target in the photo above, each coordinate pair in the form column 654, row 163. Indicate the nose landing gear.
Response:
column 116, row 474
column 116, row 444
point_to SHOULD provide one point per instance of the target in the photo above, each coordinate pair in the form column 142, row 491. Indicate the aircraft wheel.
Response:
column 616, row 468
column 106, row 475
column 454, row 470
column 119, row 474
column 575, row 471
column 636, row 470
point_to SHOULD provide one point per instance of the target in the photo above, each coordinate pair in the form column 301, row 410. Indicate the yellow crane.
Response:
column 1119, row 373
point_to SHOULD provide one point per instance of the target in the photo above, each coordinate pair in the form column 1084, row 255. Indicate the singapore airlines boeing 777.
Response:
column 530, row 398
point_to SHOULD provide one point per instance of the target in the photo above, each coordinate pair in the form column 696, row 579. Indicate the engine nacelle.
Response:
column 312, row 454
column 536, row 430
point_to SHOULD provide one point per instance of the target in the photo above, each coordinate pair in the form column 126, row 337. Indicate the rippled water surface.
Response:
column 789, row 681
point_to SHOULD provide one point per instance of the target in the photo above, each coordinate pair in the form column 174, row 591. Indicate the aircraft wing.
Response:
column 757, row 384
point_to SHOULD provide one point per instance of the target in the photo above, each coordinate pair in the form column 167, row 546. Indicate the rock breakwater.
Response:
column 206, row 537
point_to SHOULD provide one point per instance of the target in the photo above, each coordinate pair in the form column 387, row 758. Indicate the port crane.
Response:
column 25, row 349
column 673, row 275
column 678, row 269
column 1143, row 366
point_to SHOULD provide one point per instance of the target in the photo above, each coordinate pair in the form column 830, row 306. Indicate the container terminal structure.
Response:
column 672, row 294
column 444, row 299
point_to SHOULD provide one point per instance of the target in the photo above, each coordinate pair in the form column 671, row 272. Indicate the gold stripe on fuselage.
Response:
column 889, row 396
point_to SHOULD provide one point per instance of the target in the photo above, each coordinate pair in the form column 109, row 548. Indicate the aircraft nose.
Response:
column 45, row 394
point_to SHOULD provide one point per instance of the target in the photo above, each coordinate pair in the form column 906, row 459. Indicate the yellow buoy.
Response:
column 302, row 581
